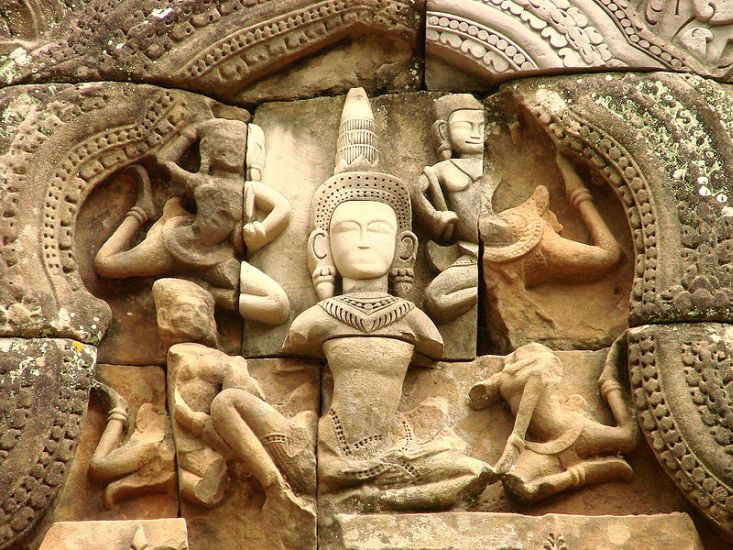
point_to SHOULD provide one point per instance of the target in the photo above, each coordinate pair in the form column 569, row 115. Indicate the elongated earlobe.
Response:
column 402, row 274
column 320, row 264
column 440, row 132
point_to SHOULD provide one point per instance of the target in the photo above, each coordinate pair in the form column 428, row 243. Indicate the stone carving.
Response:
column 44, row 387
column 569, row 448
column 680, row 275
column 221, row 418
column 525, row 242
column 525, row 247
column 497, row 40
column 680, row 377
column 447, row 201
column 469, row 530
column 60, row 144
column 540, row 241
column 362, row 245
column 215, row 48
column 612, row 220
column 303, row 152
column 143, row 462
column 159, row 534
column 208, row 245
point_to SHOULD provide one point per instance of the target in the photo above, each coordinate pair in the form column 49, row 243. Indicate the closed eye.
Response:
column 345, row 226
column 380, row 226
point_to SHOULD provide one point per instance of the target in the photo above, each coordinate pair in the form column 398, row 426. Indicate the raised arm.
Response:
column 175, row 149
column 179, row 176
column 258, row 234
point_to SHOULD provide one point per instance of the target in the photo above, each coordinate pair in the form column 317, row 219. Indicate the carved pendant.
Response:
column 367, row 313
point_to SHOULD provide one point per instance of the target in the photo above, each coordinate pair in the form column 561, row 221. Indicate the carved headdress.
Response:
column 356, row 178
column 444, row 107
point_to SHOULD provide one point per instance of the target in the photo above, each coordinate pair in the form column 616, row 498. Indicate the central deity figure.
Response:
column 361, row 242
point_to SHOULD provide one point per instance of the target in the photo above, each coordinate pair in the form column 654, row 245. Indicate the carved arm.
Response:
column 258, row 234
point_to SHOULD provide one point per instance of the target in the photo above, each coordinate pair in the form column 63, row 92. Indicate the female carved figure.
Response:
column 220, row 412
column 362, row 239
column 447, row 200
column 207, row 246
column 570, row 449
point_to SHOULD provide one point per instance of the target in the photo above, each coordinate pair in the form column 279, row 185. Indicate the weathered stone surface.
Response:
column 469, row 531
column 59, row 143
column 160, row 534
column 301, row 138
column 661, row 143
column 44, row 388
column 485, row 433
column 143, row 484
column 680, row 378
column 496, row 40
column 218, row 48
column 565, row 289
column 241, row 513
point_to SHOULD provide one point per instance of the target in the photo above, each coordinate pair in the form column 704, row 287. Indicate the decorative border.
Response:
column 470, row 37
column 26, row 501
column 701, row 486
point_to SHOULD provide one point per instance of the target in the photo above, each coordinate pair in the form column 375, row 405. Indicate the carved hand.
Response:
column 198, row 422
column 446, row 221
column 255, row 236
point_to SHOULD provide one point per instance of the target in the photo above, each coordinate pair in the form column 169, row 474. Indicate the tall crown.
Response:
column 356, row 148
column 356, row 177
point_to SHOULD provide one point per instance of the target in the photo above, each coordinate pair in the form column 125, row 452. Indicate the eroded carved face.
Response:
column 186, row 319
column 363, row 238
column 224, row 152
column 466, row 132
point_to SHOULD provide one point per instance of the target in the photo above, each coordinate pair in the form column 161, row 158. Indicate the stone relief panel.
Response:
column 44, row 389
column 441, row 316
column 59, row 144
column 245, row 431
column 484, row 434
column 361, row 250
column 662, row 142
column 228, row 49
column 680, row 377
column 558, row 257
column 496, row 40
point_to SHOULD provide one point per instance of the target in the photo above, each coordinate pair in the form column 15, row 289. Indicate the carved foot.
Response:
column 514, row 446
column 144, row 204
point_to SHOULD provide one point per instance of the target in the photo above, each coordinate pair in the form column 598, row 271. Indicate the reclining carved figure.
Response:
column 569, row 449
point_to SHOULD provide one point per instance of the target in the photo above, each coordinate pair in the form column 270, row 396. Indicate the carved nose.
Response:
column 364, row 238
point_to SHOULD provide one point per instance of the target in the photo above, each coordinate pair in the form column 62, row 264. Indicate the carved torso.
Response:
column 458, row 180
column 362, row 315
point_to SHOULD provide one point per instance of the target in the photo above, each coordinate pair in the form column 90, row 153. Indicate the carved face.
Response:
column 363, row 238
column 224, row 152
column 466, row 132
column 188, row 318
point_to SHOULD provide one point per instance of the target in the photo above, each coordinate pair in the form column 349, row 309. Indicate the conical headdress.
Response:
column 355, row 175
column 356, row 148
